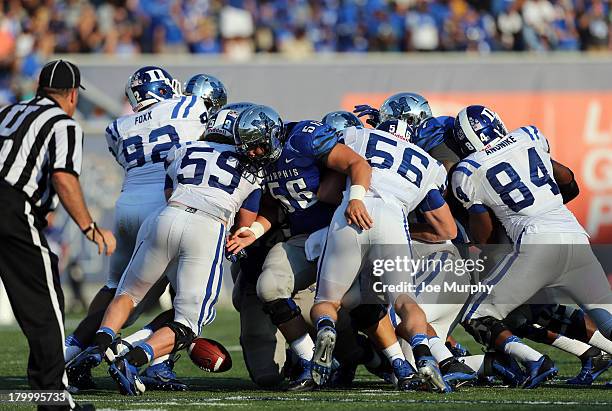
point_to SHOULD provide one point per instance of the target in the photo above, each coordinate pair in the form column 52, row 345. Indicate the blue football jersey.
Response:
column 433, row 132
column 294, row 178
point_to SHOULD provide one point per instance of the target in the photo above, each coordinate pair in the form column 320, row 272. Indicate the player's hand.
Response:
column 372, row 113
column 356, row 213
column 237, row 242
column 104, row 239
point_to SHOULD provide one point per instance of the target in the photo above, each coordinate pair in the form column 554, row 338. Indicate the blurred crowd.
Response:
column 31, row 30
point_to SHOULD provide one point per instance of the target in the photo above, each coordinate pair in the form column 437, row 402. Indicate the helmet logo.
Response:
column 399, row 107
column 156, row 75
column 264, row 123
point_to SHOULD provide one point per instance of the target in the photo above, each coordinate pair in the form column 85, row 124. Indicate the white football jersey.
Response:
column 401, row 171
column 514, row 178
column 140, row 141
column 209, row 177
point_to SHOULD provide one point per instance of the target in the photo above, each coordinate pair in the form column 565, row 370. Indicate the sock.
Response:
column 325, row 321
column 104, row 338
column 140, row 355
column 438, row 349
column 475, row 362
column 601, row 342
column 303, row 347
column 420, row 346
column 514, row 347
column 571, row 346
column 590, row 353
column 393, row 352
column 138, row 336
column 159, row 360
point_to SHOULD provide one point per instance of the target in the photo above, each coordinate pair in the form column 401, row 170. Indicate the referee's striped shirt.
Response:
column 37, row 138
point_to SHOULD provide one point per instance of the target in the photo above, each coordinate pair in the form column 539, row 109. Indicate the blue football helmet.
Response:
column 210, row 88
column 409, row 107
column 259, row 127
column 149, row 85
column 220, row 127
column 341, row 120
column 477, row 127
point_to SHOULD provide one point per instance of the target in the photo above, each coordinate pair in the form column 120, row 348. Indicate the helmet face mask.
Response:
column 258, row 134
column 341, row 120
column 210, row 89
column 477, row 127
column 149, row 85
column 409, row 107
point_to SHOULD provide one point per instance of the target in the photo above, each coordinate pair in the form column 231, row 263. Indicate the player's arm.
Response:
column 481, row 226
column 344, row 160
column 331, row 187
column 480, row 222
column 246, row 235
column 565, row 180
column 247, row 214
column 440, row 224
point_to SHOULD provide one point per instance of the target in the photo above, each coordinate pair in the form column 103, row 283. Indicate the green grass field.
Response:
column 233, row 389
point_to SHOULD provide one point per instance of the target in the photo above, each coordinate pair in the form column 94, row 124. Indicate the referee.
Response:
column 40, row 160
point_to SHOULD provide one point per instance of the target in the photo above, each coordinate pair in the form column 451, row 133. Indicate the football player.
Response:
column 293, row 181
column 403, row 178
column 207, row 184
column 139, row 142
column 513, row 175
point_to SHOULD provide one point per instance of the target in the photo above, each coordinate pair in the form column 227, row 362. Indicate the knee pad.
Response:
column 183, row 335
column 282, row 310
column 537, row 334
column 366, row 315
column 566, row 321
column 485, row 330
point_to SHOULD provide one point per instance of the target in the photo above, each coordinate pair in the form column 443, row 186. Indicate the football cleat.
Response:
column 79, row 368
column 592, row 367
column 430, row 373
column 304, row 381
column 407, row 377
column 343, row 375
column 457, row 373
column 162, row 377
column 539, row 371
column 458, row 350
column 507, row 369
column 323, row 355
column 126, row 377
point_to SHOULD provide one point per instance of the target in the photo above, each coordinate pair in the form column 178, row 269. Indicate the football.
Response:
column 209, row 355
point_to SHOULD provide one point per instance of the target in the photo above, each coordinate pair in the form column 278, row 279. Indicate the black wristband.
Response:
column 91, row 226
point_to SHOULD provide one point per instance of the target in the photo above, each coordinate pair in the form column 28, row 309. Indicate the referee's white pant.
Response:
column 197, row 241
column 29, row 271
